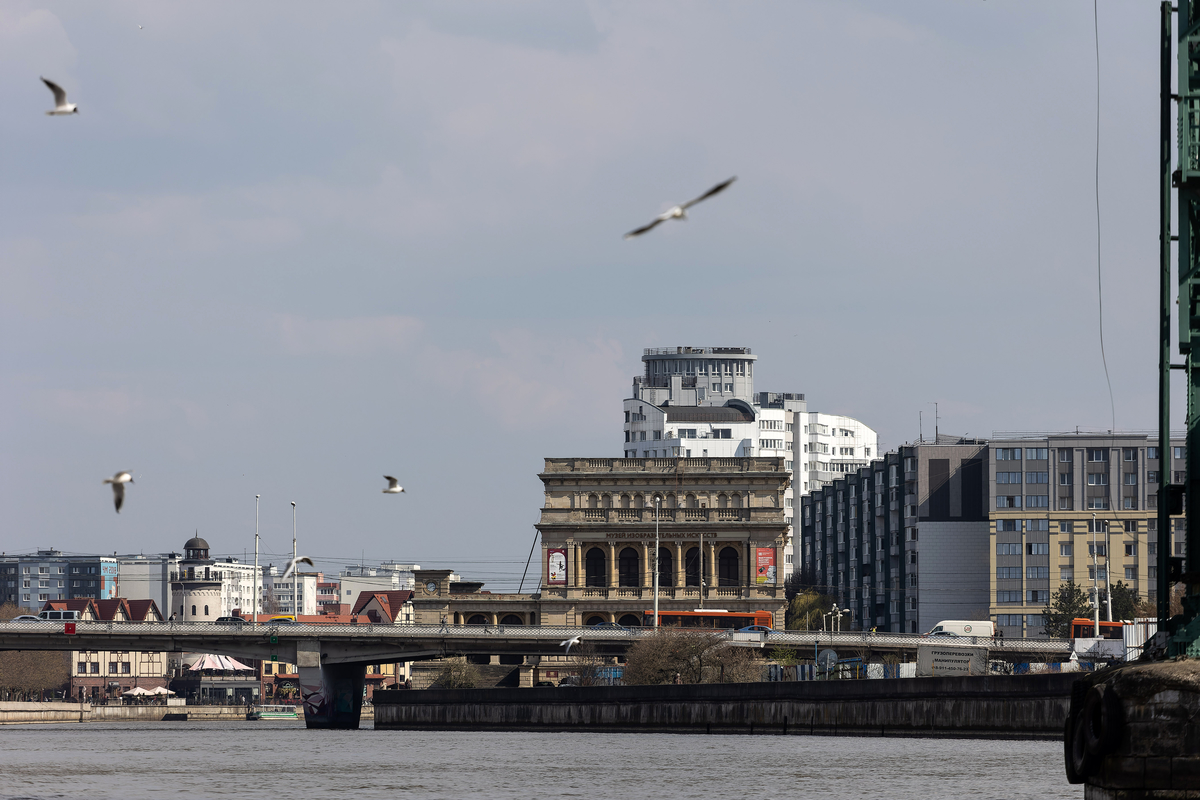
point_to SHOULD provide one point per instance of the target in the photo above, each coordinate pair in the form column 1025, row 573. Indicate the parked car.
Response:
column 942, row 635
column 570, row 680
column 25, row 618
column 230, row 621
column 282, row 620
column 757, row 629
column 607, row 626
column 963, row 627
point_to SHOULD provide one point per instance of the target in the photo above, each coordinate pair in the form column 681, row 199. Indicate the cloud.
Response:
column 356, row 336
column 529, row 380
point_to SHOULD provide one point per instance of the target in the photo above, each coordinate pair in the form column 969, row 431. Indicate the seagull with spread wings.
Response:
column 393, row 486
column 118, row 482
column 569, row 643
column 680, row 211
column 293, row 564
column 61, row 106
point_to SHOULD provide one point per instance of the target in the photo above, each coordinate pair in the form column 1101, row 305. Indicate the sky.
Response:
column 287, row 248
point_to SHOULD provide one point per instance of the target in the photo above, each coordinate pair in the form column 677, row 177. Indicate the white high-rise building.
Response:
column 387, row 577
column 699, row 402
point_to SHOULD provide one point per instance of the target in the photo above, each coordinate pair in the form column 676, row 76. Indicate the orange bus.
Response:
column 709, row 618
column 1085, row 629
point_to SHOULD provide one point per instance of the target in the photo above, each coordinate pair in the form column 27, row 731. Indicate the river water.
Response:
column 281, row 759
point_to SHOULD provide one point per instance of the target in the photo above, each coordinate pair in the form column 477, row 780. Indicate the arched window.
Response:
column 593, row 501
column 477, row 619
column 666, row 568
column 193, row 611
column 691, row 567
column 629, row 568
column 670, row 501
column 727, row 567
column 639, row 501
column 606, row 501
column 625, row 501
column 690, row 501
column 596, row 620
column 630, row 621
column 722, row 500
column 737, row 501
column 512, row 619
column 206, row 611
column 595, row 568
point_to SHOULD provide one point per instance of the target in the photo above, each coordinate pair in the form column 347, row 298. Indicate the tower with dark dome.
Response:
column 196, row 587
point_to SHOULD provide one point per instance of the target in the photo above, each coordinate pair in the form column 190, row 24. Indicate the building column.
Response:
column 680, row 573
column 647, row 568
column 612, row 565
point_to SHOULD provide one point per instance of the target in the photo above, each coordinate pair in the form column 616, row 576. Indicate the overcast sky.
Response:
column 285, row 248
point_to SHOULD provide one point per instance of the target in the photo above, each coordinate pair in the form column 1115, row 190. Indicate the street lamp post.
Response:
column 657, row 508
column 295, row 572
column 254, row 599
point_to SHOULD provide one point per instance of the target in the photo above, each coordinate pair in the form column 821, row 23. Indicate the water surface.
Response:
column 281, row 759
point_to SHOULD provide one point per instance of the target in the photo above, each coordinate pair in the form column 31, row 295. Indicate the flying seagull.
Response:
column 680, row 211
column 569, row 643
column 394, row 486
column 295, row 562
column 61, row 106
column 118, row 482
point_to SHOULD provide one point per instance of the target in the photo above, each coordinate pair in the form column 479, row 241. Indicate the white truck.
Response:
column 963, row 627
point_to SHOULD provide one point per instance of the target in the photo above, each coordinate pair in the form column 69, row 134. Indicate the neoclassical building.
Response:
column 722, row 531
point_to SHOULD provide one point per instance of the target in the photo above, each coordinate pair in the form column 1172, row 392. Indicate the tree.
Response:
column 806, row 610
column 457, row 673
column 1069, row 602
column 30, row 673
column 587, row 663
column 1149, row 607
column 689, row 656
column 1124, row 601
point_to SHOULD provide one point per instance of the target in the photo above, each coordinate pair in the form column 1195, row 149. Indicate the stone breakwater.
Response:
column 1015, row 707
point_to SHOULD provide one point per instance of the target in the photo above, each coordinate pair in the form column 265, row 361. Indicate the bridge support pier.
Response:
column 333, row 695
column 1131, row 731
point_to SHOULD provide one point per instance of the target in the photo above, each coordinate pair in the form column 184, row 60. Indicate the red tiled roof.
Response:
column 107, row 609
column 391, row 602
column 74, row 604
column 140, row 610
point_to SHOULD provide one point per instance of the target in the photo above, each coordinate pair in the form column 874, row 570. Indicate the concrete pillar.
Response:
column 332, row 693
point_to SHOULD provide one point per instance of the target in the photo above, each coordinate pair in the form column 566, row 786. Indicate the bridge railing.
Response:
column 250, row 631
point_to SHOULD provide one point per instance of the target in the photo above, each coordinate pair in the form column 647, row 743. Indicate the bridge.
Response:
column 332, row 659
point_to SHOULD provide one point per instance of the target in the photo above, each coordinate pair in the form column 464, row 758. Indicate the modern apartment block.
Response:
column 32, row 580
column 700, row 402
column 968, row 529
column 1079, row 507
column 903, row 540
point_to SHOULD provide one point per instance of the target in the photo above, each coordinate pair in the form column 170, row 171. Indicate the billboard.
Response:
column 556, row 566
column 934, row 660
column 765, row 559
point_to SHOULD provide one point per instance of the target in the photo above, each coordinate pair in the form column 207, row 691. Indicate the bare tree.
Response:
column 28, row 674
column 457, row 673
column 689, row 656
column 587, row 663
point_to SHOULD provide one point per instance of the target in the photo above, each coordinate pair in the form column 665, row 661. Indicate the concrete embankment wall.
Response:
column 14, row 713
column 1018, row 707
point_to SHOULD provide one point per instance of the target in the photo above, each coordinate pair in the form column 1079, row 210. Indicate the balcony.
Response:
column 646, row 516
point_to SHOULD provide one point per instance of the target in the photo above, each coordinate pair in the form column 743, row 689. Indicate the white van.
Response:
column 963, row 627
column 61, row 616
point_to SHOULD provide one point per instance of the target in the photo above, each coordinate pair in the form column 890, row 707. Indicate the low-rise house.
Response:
column 105, row 674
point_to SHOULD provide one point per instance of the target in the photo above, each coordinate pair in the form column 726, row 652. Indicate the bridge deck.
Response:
column 368, row 643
